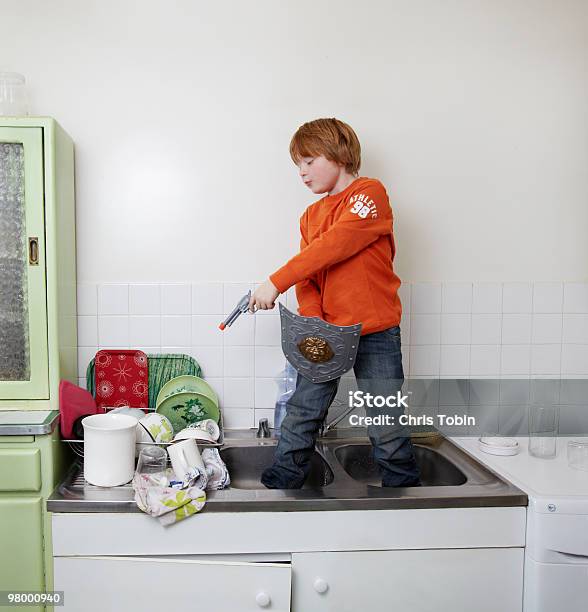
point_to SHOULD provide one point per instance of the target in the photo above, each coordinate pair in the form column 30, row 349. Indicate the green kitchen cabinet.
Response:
column 38, row 331
column 38, row 338
column 30, row 468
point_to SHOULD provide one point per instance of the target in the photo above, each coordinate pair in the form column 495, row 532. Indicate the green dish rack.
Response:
column 162, row 367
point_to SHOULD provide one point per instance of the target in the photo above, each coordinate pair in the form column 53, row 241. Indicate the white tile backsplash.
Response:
column 87, row 299
column 487, row 298
column 456, row 329
column 205, row 330
column 515, row 360
column 207, row 298
column 517, row 297
column 547, row 297
column 87, row 330
column 233, row 292
column 425, row 328
column 574, row 359
column 450, row 330
column 144, row 299
column 575, row 297
column 113, row 299
column 424, row 360
column 113, row 331
column 210, row 359
column 85, row 355
column 238, row 418
column 575, row 328
column 486, row 328
column 176, row 330
column 484, row 360
column 218, row 384
column 241, row 332
column 269, row 361
column 404, row 293
column 238, row 361
column 547, row 328
column 176, row 299
column 268, row 331
column 516, row 328
column 457, row 297
column 239, row 393
column 545, row 358
column 455, row 360
column 266, row 392
column 145, row 330
column 425, row 298
column 405, row 328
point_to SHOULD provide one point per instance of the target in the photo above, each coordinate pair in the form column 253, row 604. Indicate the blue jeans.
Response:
column 378, row 370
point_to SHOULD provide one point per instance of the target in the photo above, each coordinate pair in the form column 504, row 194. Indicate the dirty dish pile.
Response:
column 186, row 401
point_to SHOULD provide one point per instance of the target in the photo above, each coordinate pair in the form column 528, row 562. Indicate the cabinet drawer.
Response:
column 21, row 548
column 20, row 469
column 152, row 585
column 460, row 580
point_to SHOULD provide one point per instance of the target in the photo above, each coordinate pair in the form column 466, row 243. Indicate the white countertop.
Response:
column 20, row 417
column 539, row 478
column 27, row 422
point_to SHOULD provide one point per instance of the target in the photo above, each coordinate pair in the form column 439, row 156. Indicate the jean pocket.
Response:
column 394, row 332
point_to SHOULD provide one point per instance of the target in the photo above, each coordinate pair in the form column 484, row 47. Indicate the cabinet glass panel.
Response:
column 24, row 371
column 14, row 318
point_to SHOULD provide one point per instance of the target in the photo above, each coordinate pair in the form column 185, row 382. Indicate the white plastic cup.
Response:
column 184, row 456
column 109, row 449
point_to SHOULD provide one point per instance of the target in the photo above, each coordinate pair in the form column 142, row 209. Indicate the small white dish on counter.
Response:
column 498, row 445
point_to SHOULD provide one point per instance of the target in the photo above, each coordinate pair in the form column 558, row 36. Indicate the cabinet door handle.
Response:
column 321, row 585
column 33, row 251
column 263, row 599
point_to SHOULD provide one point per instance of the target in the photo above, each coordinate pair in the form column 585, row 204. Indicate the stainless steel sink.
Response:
column 343, row 477
column 246, row 463
column 436, row 471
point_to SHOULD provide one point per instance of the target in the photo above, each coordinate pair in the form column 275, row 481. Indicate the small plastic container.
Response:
column 578, row 455
column 13, row 94
column 286, row 382
column 498, row 445
column 543, row 430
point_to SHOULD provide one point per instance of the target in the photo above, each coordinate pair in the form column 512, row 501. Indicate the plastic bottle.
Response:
column 286, row 381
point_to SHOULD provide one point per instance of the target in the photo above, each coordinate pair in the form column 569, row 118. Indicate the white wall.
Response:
column 474, row 115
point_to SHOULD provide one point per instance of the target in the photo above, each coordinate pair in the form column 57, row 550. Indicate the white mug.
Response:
column 184, row 456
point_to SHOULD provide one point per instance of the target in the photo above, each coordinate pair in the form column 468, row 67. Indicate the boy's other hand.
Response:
column 264, row 297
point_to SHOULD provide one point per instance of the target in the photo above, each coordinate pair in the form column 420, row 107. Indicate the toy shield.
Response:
column 320, row 351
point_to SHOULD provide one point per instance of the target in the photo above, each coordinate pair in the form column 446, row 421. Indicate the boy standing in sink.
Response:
column 344, row 275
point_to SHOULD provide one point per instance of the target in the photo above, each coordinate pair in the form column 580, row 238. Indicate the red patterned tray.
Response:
column 122, row 378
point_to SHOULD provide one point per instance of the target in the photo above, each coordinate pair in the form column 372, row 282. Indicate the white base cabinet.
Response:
column 430, row 560
column 460, row 580
column 98, row 584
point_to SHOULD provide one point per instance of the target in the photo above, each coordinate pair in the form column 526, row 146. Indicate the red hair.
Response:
column 329, row 137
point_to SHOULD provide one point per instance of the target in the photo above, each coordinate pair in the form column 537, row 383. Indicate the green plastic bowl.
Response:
column 186, row 407
column 193, row 384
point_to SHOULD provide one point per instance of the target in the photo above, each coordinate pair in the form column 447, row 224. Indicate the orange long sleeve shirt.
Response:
column 344, row 273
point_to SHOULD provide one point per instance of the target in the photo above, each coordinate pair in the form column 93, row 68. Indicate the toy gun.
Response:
column 241, row 307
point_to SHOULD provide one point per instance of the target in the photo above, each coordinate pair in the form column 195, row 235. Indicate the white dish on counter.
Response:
column 498, row 445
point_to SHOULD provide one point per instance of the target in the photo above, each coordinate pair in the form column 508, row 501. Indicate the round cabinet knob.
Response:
column 263, row 599
column 321, row 585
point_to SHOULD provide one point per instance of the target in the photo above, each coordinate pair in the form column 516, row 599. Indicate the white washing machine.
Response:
column 556, row 553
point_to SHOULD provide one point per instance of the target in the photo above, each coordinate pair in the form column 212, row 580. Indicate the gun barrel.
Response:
column 239, row 309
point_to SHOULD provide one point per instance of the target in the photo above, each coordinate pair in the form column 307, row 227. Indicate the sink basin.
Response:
column 246, row 463
column 436, row 471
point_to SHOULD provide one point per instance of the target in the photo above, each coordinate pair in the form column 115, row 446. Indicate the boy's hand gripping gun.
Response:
column 241, row 307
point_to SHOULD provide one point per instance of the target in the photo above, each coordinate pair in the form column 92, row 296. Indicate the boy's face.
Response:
column 319, row 174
